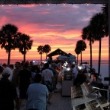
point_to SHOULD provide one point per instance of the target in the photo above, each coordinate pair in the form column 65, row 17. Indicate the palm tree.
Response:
column 105, row 13
column 87, row 35
column 77, row 51
column 46, row 49
column 98, row 31
column 40, row 50
column 8, row 38
column 80, row 46
column 24, row 44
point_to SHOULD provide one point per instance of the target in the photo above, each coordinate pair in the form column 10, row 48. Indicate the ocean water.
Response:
column 104, row 70
column 12, row 61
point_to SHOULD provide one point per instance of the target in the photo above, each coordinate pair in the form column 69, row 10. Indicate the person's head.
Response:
column 11, row 66
column 37, row 78
column 35, row 68
column 4, row 65
column 94, row 76
column 92, row 70
column 46, row 65
column 26, row 65
column 5, row 75
column 17, row 64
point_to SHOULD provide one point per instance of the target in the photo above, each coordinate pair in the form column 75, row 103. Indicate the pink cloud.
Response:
column 57, row 25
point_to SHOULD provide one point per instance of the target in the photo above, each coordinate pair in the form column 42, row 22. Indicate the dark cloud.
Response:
column 57, row 25
column 60, row 17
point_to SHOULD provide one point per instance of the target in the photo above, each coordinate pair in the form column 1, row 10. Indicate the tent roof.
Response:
column 57, row 52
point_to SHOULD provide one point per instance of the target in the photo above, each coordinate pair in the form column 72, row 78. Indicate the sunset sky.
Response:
column 60, row 26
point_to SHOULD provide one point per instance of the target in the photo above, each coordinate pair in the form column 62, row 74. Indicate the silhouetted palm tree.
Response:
column 8, row 38
column 98, row 31
column 24, row 44
column 81, row 46
column 40, row 50
column 105, row 13
column 77, row 52
column 87, row 35
column 46, row 49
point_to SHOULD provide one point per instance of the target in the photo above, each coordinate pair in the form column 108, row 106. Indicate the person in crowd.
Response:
column 37, row 95
column 8, row 94
column 94, row 80
column 11, row 66
column 74, row 71
column 81, row 78
column 53, row 67
column 7, row 69
column 15, row 75
column 48, row 77
column 1, row 70
column 60, row 71
column 34, row 70
column 49, row 60
column 24, row 79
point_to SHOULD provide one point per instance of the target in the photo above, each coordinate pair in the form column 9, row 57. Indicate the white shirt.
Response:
column 37, row 96
column 9, row 71
column 47, row 74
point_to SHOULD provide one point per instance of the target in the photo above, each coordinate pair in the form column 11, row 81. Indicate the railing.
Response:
column 91, row 98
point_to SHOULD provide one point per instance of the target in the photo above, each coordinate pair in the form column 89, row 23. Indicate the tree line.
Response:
column 95, row 31
column 11, row 39
column 44, row 49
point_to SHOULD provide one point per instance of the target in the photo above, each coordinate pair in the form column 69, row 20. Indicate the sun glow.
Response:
column 56, row 25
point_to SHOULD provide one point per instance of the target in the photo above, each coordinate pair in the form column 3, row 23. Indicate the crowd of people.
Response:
column 32, row 86
column 25, row 86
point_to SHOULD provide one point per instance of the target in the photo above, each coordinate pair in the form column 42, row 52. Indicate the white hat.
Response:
column 6, row 75
column 6, row 72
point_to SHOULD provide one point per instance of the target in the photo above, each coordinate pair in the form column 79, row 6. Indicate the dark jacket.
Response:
column 7, row 94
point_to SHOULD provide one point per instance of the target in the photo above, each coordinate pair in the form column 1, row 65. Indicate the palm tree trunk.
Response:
column 41, row 59
column 9, row 52
column 24, row 59
column 81, row 57
column 90, row 54
column 99, row 61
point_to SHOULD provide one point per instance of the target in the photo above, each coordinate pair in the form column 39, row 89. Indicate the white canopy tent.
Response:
column 71, row 58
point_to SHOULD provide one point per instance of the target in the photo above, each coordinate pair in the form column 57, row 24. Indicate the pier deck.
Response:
column 59, row 102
